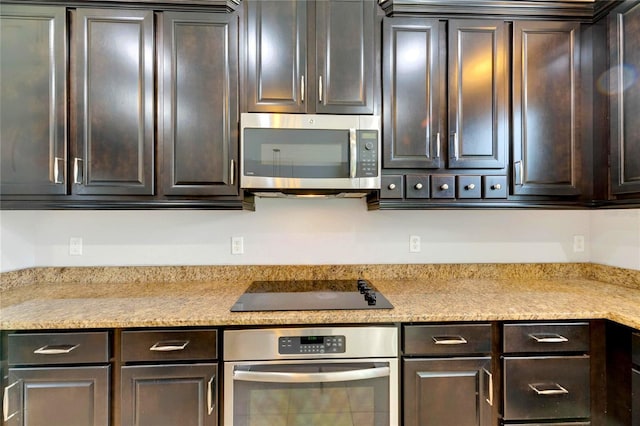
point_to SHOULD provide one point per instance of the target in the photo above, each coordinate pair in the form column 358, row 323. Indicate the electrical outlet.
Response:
column 237, row 245
column 578, row 243
column 75, row 246
column 414, row 244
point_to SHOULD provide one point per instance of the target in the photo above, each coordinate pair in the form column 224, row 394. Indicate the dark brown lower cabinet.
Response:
column 168, row 395
column 447, row 392
column 57, row 396
column 635, row 397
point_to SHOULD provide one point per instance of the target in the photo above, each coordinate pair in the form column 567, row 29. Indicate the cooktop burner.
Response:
column 306, row 295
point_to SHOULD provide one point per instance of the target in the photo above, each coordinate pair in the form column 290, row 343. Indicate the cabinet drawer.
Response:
column 469, row 187
column 449, row 339
column 58, row 348
column 547, row 337
column 392, row 186
column 417, row 186
column 555, row 424
column 443, row 186
column 635, row 351
column 159, row 345
column 546, row 388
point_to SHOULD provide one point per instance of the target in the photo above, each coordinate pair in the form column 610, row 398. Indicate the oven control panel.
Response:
column 295, row 345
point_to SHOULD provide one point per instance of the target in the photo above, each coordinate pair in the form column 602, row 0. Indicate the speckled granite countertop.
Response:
column 60, row 298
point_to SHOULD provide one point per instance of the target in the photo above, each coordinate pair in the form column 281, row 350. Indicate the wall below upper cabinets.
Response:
column 317, row 232
column 616, row 238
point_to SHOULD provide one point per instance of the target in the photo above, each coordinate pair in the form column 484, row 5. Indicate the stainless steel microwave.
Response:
column 307, row 153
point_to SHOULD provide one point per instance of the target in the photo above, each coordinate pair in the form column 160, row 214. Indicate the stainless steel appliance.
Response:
column 325, row 376
column 302, row 295
column 309, row 154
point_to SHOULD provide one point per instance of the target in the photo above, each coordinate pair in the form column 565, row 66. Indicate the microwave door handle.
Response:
column 338, row 376
column 353, row 153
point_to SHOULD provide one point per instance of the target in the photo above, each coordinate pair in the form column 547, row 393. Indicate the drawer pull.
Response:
column 169, row 346
column 55, row 349
column 5, row 402
column 548, row 338
column 548, row 389
column 449, row 340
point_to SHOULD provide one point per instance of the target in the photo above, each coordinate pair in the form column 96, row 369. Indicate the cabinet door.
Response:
column 169, row 395
column 411, row 81
column 33, row 100
column 624, row 39
column 113, row 101
column 546, row 151
column 478, row 132
column 276, row 55
column 448, row 392
column 199, row 113
column 60, row 396
column 635, row 397
column 345, row 56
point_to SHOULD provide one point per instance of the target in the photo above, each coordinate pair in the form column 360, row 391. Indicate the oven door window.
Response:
column 296, row 153
column 312, row 394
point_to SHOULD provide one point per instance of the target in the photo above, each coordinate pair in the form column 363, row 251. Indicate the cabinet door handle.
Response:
column 77, row 171
column 456, row 146
column 55, row 349
column 548, row 389
column 169, row 345
column 548, row 338
column 320, row 90
column 302, row 88
column 490, row 391
column 211, row 394
column 438, row 145
column 5, row 402
column 58, row 178
column 232, row 172
column 449, row 340
column 517, row 171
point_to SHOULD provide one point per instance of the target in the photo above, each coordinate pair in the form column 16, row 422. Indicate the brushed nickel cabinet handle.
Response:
column 55, row 349
column 418, row 185
column 456, row 146
column 77, row 171
column 444, row 186
column 232, row 172
column 496, row 187
column 302, row 88
column 548, row 338
column 517, row 170
column 470, row 187
column 5, row 402
column 320, row 89
column 392, row 186
column 169, row 345
column 490, row 377
column 58, row 178
column 449, row 340
column 438, row 145
column 210, row 398
column 547, row 389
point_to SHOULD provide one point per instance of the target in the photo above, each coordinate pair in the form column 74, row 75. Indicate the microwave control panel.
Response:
column 295, row 345
column 367, row 153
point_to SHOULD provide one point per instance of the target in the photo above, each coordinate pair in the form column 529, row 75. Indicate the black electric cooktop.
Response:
column 307, row 295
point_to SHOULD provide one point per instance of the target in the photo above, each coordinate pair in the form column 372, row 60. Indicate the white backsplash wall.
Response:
column 310, row 232
column 616, row 238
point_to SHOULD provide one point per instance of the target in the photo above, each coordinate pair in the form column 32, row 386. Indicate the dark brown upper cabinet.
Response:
column 310, row 56
column 546, row 115
column 416, row 94
column 33, row 146
column 198, row 107
column 112, row 111
column 624, row 90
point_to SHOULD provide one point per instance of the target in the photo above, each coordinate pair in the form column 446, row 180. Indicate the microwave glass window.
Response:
column 293, row 153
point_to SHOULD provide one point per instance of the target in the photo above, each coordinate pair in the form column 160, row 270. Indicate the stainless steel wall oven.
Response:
column 325, row 376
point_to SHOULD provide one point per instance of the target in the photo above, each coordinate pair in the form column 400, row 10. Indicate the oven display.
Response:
column 311, row 345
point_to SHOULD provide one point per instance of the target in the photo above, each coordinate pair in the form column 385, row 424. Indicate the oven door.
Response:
column 312, row 393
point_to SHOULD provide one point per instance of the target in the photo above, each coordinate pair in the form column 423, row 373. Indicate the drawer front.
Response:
column 494, row 186
column 449, row 339
column 469, row 187
column 58, row 348
column 635, row 397
column 546, row 388
column 443, row 186
column 635, row 351
column 546, row 337
column 555, row 424
column 169, row 345
column 417, row 186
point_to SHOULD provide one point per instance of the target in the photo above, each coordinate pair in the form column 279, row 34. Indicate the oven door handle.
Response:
column 337, row 376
